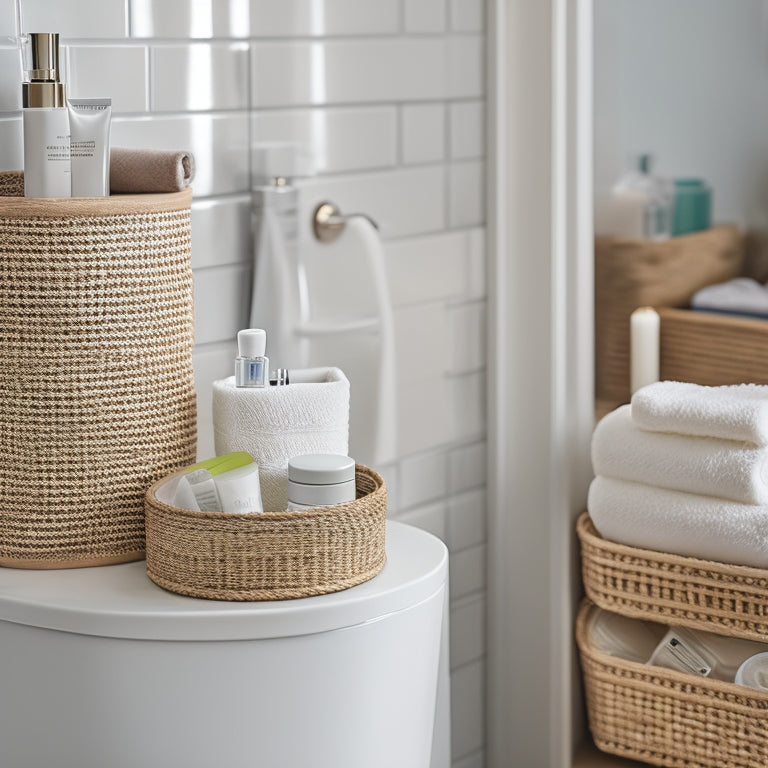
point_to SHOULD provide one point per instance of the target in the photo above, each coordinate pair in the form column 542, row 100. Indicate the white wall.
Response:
column 402, row 95
column 688, row 82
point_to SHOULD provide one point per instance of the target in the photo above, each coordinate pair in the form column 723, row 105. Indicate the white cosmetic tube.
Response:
column 240, row 490
column 89, row 125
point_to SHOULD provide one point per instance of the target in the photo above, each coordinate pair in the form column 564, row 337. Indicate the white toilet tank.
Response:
column 100, row 668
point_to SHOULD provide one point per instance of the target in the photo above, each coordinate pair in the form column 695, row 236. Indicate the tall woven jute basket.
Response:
column 669, row 718
column 269, row 556
column 97, row 395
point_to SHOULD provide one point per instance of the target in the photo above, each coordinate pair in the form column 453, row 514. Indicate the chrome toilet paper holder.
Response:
column 328, row 222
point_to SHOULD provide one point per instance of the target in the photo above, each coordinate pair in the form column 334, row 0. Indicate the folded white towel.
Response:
column 734, row 412
column 742, row 295
column 273, row 424
column 707, row 465
column 680, row 523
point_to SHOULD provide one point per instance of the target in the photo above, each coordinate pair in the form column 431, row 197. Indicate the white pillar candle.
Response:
column 644, row 347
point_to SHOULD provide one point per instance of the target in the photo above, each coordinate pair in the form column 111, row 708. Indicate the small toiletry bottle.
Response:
column 320, row 480
column 251, row 365
column 693, row 206
column 45, row 119
column 641, row 204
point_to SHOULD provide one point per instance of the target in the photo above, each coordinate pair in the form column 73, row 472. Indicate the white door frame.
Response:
column 540, row 379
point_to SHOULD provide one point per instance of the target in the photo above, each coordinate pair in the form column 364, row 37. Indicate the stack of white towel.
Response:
column 684, row 469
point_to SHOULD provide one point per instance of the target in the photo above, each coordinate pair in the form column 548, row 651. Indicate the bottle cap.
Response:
column 252, row 342
column 321, row 469
column 43, row 56
column 43, row 87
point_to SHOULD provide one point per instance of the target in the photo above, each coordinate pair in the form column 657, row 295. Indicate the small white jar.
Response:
column 320, row 480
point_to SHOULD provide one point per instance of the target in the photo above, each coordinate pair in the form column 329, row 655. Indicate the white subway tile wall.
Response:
column 309, row 18
column 200, row 76
column 425, row 16
column 468, row 718
column 423, row 133
column 338, row 139
column 467, row 129
column 119, row 72
column 10, row 90
column 467, row 15
column 387, row 97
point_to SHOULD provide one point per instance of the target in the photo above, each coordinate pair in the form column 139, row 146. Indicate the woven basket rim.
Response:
column 587, row 533
column 283, row 515
column 720, row 688
column 114, row 205
column 704, row 234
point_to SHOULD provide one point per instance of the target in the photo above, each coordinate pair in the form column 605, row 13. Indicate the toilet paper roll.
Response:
column 273, row 424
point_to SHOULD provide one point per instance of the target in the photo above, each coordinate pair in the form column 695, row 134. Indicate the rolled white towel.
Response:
column 679, row 523
column 273, row 424
column 733, row 412
column 707, row 465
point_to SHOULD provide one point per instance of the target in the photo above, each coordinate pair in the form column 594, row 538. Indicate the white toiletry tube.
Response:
column 240, row 490
column 89, row 124
column 45, row 120
column 227, row 483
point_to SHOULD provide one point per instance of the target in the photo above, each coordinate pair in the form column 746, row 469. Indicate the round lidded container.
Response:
column 320, row 480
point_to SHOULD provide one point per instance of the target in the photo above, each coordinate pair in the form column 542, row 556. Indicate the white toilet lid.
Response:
column 121, row 601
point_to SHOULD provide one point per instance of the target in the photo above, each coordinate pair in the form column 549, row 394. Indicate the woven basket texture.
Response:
column 712, row 349
column 269, row 556
column 12, row 184
column 671, row 589
column 668, row 718
column 97, row 395
column 635, row 273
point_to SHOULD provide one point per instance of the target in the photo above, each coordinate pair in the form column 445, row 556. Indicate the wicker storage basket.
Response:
column 97, row 397
column 712, row 349
column 269, row 556
column 634, row 273
column 671, row 589
column 669, row 718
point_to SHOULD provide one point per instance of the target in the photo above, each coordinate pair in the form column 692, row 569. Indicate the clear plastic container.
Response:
column 621, row 636
column 704, row 653
column 695, row 652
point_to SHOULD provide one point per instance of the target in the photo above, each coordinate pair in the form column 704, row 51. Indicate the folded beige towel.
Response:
column 139, row 171
column 131, row 171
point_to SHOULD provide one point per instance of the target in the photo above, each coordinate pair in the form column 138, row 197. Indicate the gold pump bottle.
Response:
column 47, row 166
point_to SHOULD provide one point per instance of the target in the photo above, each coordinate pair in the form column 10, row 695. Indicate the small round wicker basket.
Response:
column 269, row 556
